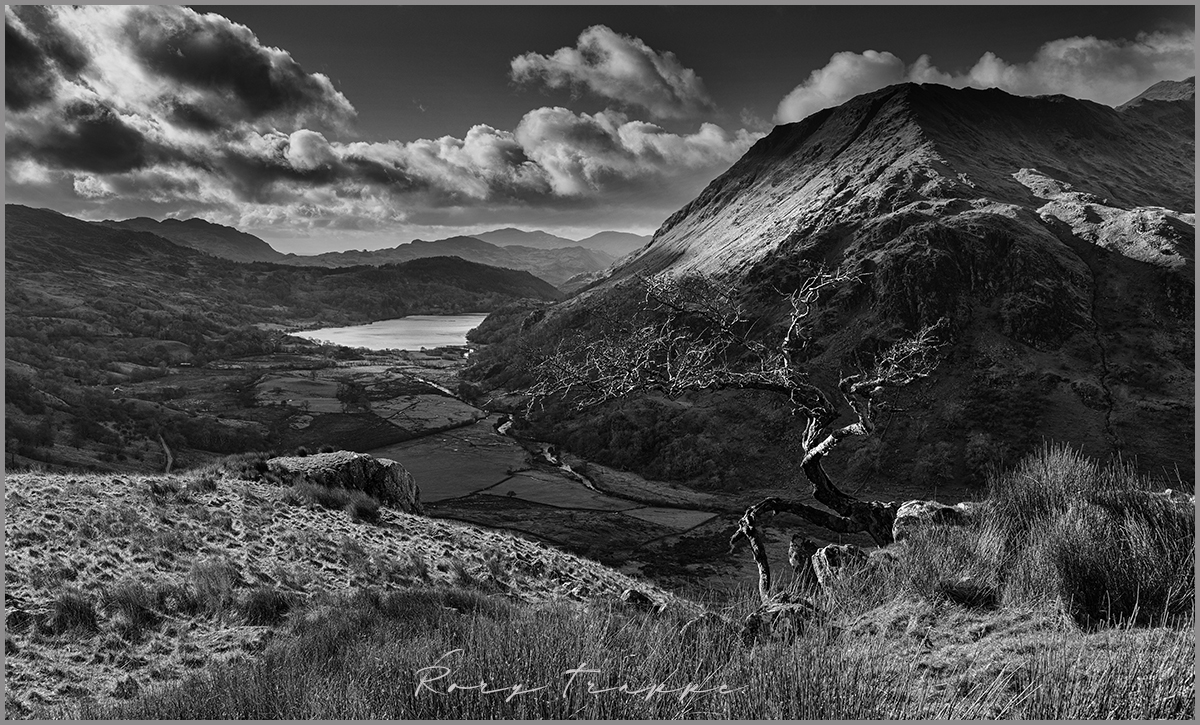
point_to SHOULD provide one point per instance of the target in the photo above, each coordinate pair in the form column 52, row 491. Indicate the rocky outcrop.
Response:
column 834, row 561
column 382, row 478
column 914, row 515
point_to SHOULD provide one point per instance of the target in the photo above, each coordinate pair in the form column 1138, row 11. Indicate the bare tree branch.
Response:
column 692, row 333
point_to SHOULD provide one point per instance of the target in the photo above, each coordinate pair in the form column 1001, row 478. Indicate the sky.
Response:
column 324, row 128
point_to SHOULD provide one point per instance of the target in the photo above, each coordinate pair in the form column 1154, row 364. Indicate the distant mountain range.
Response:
column 549, row 257
column 554, row 265
column 92, row 264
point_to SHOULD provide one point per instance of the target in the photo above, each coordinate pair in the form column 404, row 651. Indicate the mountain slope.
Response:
column 1055, row 237
column 1184, row 90
column 202, row 552
column 881, row 152
column 214, row 239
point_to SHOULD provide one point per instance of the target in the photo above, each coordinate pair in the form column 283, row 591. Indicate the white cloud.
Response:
column 623, row 69
column 1105, row 71
column 308, row 150
column 845, row 75
column 168, row 111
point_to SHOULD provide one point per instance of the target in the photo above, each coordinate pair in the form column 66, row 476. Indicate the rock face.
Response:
column 914, row 515
column 382, row 478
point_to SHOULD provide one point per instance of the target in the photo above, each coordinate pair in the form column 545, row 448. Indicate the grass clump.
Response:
column 244, row 466
column 133, row 608
column 1061, row 527
column 72, row 611
column 362, row 507
column 264, row 606
column 359, row 505
column 213, row 583
column 205, row 483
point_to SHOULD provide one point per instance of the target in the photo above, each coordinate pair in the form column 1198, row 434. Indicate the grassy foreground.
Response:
column 1069, row 597
column 456, row 654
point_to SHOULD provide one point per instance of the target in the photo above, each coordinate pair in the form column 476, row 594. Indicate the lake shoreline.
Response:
column 411, row 332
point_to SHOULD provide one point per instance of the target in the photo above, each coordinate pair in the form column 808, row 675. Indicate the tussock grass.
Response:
column 1061, row 527
column 366, row 656
column 212, row 583
column 72, row 611
column 263, row 606
column 359, row 505
column 133, row 608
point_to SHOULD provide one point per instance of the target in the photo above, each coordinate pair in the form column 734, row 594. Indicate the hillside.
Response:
column 1054, row 236
column 90, row 308
column 173, row 567
column 215, row 239
column 554, row 265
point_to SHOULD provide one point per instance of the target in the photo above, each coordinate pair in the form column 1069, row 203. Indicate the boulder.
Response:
column 914, row 515
column 635, row 599
column 831, row 561
column 382, row 478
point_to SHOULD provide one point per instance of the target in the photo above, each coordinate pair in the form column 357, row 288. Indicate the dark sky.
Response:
column 328, row 127
column 454, row 61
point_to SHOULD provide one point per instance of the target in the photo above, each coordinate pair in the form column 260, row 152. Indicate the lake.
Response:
column 404, row 333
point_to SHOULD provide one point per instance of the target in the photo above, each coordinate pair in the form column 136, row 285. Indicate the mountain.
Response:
column 1184, row 90
column 554, row 265
column 618, row 244
column 536, row 239
column 1055, row 236
column 888, row 154
column 214, row 239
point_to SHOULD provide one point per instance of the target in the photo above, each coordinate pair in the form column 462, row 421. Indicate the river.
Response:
column 403, row 333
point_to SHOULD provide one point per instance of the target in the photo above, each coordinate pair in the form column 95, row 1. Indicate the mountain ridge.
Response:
column 205, row 236
column 900, row 133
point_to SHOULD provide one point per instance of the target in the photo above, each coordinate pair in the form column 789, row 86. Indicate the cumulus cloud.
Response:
column 189, row 114
column 1106, row 71
column 622, row 69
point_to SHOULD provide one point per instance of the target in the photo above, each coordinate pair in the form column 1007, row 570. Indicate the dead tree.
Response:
column 695, row 335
